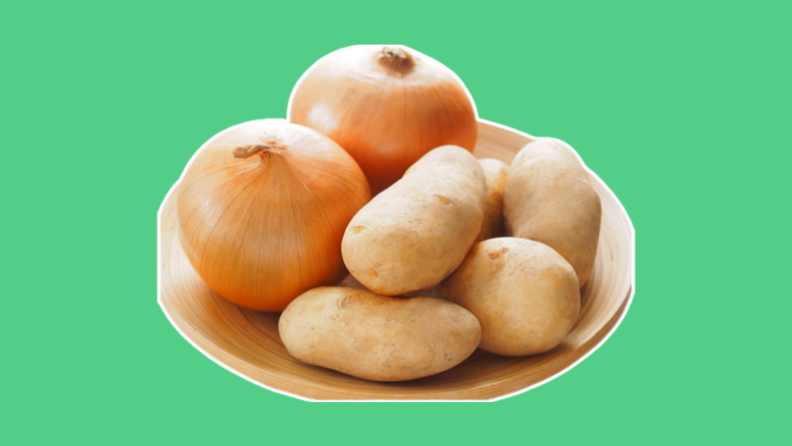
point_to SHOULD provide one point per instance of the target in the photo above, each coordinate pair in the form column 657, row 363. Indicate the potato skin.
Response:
column 375, row 337
column 524, row 294
column 549, row 199
column 495, row 173
column 415, row 233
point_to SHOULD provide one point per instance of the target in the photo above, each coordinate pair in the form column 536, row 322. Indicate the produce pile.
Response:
column 455, row 253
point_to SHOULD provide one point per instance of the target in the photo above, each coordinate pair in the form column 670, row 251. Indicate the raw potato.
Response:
column 376, row 337
column 495, row 172
column 524, row 294
column 415, row 233
column 549, row 199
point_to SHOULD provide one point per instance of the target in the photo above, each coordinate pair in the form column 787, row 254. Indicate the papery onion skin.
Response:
column 263, row 229
column 386, row 105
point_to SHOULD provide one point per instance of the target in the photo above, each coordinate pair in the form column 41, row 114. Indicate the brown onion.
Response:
column 262, row 209
column 386, row 105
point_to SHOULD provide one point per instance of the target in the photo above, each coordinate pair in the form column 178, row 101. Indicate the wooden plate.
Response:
column 247, row 343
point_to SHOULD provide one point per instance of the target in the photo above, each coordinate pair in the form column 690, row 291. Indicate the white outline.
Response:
column 282, row 392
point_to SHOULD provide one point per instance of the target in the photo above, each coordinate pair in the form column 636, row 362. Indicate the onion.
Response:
column 385, row 105
column 262, row 210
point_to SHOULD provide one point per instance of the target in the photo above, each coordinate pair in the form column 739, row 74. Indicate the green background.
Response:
column 682, row 108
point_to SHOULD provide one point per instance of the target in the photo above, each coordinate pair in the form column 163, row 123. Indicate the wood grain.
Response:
column 247, row 342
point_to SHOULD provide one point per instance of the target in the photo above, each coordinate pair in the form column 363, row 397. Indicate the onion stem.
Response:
column 397, row 60
column 250, row 150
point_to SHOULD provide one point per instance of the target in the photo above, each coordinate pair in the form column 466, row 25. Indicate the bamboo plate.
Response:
column 247, row 343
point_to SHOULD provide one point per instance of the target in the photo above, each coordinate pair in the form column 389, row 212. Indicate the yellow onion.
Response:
column 262, row 210
column 385, row 105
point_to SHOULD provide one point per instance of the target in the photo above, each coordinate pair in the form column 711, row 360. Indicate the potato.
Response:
column 415, row 233
column 495, row 173
column 376, row 337
column 524, row 294
column 549, row 199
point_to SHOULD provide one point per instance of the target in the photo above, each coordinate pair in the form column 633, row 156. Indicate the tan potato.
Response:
column 376, row 337
column 549, row 199
column 495, row 173
column 524, row 294
column 415, row 233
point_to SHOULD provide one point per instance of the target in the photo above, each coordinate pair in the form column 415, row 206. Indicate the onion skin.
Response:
column 386, row 105
column 262, row 229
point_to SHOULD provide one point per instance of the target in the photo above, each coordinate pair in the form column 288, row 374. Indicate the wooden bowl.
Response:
column 246, row 342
